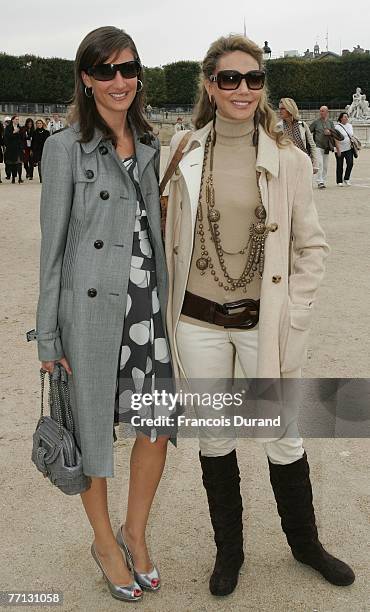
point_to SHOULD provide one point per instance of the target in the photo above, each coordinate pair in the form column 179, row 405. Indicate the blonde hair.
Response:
column 203, row 112
column 290, row 105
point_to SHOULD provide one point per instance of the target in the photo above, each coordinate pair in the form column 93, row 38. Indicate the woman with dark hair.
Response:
column 344, row 150
column 27, row 134
column 103, row 291
column 245, row 254
column 14, row 148
column 39, row 137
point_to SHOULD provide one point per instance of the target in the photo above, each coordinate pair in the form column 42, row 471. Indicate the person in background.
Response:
column 8, row 172
column 297, row 130
column 27, row 134
column 179, row 126
column 38, row 140
column 345, row 151
column 14, row 148
column 1, row 145
column 320, row 129
column 55, row 124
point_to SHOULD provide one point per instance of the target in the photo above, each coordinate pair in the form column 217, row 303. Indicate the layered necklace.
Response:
column 207, row 213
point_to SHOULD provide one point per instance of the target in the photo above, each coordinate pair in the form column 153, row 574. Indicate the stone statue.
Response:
column 359, row 109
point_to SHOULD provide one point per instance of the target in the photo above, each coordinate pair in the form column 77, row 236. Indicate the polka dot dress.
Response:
column 144, row 361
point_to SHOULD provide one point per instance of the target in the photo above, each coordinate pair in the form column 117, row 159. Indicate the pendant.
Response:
column 260, row 227
column 214, row 215
column 201, row 263
column 260, row 212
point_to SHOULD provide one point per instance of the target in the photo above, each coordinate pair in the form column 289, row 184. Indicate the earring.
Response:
column 141, row 86
column 87, row 90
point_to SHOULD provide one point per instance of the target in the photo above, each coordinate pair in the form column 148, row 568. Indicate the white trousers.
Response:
column 210, row 354
column 323, row 162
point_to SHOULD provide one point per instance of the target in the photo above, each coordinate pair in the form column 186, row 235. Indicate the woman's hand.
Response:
column 49, row 365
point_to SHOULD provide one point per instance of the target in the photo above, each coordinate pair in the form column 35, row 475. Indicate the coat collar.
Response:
column 268, row 152
column 144, row 153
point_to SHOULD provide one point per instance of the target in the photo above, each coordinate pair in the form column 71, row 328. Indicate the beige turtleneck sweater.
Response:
column 236, row 197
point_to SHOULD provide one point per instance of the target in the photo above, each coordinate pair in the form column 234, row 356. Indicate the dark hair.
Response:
column 32, row 123
column 96, row 48
column 14, row 116
column 341, row 116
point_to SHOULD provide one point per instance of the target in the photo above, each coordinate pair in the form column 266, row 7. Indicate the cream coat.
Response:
column 293, row 268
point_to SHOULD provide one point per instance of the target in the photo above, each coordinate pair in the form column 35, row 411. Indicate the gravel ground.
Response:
column 45, row 536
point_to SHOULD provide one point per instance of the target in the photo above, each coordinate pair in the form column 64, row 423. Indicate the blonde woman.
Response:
column 241, row 192
column 297, row 130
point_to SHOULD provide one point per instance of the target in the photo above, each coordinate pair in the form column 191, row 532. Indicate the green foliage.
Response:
column 329, row 81
column 35, row 79
column 155, row 86
column 310, row 82
column 182, row 82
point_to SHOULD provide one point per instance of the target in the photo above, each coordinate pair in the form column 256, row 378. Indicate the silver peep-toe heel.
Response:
column 131, row 592
column 149, row 581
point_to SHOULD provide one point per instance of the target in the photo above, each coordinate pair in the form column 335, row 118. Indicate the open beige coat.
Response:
column 294, row 254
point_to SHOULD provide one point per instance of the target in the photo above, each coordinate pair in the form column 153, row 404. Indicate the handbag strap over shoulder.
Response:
column 174, row 161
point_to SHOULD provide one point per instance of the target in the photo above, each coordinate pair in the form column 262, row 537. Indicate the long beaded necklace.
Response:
column 254, row 247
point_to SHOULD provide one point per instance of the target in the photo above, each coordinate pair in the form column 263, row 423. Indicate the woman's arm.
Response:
column 55, row 210
column 311, row 143
column 309, row 245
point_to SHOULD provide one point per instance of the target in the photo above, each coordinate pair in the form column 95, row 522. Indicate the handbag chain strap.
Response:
column 59, row 394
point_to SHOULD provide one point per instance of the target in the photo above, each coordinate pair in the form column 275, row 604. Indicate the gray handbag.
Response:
column 55, row 452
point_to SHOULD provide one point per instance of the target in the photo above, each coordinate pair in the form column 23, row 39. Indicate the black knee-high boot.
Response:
column 293, row 493
column 221, row 480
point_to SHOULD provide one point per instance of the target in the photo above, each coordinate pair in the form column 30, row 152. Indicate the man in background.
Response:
column 321, row 131
column 55, row 124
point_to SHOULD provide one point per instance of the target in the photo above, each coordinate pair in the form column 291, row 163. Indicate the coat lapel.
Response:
column 191, row 168
column 144, row 154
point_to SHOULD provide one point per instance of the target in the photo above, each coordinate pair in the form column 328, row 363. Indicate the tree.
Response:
column 182, row 82
column 155, row 86
column 329, row 81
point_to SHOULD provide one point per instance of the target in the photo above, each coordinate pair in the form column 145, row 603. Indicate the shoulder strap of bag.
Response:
column 174, row 161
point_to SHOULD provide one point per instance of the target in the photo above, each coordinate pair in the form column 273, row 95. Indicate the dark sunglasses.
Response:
column 107, row 72
column 231, row 79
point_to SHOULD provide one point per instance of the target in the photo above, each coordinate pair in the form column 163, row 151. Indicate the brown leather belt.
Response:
column 211, row 312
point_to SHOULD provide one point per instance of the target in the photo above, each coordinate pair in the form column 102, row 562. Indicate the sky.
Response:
column 166, row 31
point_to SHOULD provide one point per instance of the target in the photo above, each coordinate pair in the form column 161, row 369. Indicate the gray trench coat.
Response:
column 88, row 206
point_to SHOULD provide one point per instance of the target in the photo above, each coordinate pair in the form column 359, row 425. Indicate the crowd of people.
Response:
column 319, row 139
column 21, row 146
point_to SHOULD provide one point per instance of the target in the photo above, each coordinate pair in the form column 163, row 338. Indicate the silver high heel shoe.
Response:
column 149, row 581
column 130, row 592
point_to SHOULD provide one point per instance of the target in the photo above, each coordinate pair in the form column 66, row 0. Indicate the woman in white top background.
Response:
column 345, row 151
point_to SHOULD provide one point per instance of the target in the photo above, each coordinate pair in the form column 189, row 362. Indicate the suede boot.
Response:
column 293, row 493
column 221, row 480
